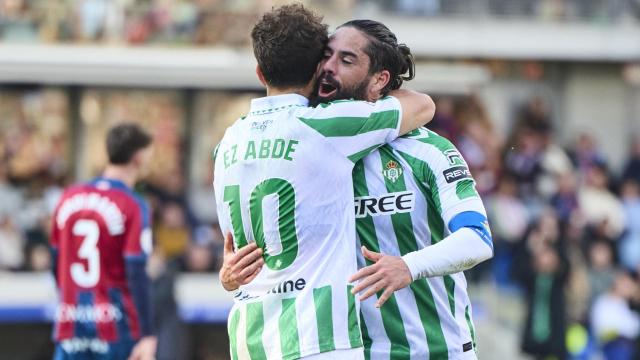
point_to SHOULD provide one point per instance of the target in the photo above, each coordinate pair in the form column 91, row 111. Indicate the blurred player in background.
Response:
column 101, row 237
column 419, row 218
column 283, row 181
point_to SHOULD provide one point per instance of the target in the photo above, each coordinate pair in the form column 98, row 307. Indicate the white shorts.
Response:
column 344, row 354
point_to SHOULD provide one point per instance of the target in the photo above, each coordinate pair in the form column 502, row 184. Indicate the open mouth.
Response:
column 327, row 88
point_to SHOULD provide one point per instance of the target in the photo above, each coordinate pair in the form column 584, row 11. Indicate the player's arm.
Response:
column 417, row 109
column 138, row 243
column 356, row 128
column 468, row 243
column 54, row 240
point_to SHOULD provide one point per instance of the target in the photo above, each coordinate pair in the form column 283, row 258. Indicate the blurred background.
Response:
column 542, row 97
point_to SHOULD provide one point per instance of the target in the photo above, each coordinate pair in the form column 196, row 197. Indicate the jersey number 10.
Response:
column 286, row 220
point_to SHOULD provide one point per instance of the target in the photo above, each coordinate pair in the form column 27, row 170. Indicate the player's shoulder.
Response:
column 347, row 108
column 428, row 147
column 119, row 192
column 427, row 136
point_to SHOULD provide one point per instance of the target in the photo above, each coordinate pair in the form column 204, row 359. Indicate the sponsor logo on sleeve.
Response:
column 454, row 157
column 456, row 173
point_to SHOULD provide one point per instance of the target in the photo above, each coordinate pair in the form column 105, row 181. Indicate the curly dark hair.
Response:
column 288, row 43
column 385, row 53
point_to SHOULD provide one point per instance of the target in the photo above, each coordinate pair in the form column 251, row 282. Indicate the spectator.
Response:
column 11, row 244
column 509, row 220
column 543, row 269
column 523, row 160
column 545, row 323
column 554, row 163
column 632, row 167
column 200, row 199
column 478, row 142
column 601, row 208
column 172, row 232
column 614, row 323
column 629, row 248
column 602, row 270
column 444, row 122
column 565, row 200
column 11, row 198
column 586, row 154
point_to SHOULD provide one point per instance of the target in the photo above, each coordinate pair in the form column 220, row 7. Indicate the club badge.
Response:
column 392, row 171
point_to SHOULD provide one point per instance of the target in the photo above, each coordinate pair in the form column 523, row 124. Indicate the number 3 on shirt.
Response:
column 277, row 256
column 90, row 231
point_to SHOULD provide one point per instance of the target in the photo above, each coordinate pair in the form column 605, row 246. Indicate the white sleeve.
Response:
column 461, row 250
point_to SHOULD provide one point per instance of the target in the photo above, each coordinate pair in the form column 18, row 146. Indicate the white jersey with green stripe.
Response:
column 283, row 179
column 406, row 194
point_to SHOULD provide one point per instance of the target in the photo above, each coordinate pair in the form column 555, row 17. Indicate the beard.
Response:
column 357, row 91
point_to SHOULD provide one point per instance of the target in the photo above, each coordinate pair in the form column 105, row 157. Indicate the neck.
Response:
column 125, row 173
column 304, row 91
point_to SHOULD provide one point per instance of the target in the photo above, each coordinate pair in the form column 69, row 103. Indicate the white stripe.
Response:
column 306, row 316
column 448, row 324
column 272, row 306
column 375, row 328
column 241, row 334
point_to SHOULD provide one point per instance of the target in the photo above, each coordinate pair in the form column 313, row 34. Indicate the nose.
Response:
column 329, row 65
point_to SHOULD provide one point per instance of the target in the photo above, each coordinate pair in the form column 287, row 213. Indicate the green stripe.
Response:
column 430, row 319
column 233, row 333
column 350, row 126
column 403, row 229
column 390, row 312
column 470, row 324
column 288, row 326
column 324, row 318
column 440, row 142
column 450, row 285
column 326, row 105
column 215, row 153
column 425, row 179
column 354, row 331
column 361, row 154
column 366, row 339
column 466, row 189
column 255, row 327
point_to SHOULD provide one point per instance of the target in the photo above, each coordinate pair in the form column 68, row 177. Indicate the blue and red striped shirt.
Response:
column 100, row 235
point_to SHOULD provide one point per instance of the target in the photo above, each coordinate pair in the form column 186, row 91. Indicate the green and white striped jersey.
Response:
column 406, row 194
column 283, row 179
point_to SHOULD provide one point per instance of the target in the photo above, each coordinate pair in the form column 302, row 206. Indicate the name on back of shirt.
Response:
column 259, row 150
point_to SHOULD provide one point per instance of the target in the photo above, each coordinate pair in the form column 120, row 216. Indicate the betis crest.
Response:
column 392, row 171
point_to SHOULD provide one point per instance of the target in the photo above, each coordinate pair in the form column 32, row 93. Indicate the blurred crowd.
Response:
column 185, row 227
column 566, row 228
column 565, row 224
column 216, row 22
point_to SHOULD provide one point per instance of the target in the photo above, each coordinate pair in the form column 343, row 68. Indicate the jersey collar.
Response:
column 272, row 103
column 113, row 183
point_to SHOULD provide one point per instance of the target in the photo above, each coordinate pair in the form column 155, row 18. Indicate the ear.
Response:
column 138, row 158
column 261, row 76
column 378, row 81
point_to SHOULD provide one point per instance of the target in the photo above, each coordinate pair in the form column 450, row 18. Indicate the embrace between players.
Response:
column 336, row 127
column 334, row 132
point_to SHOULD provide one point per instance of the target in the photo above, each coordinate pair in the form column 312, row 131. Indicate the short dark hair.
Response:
column 124, row 140
column 288, row 43
column 385, row 53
